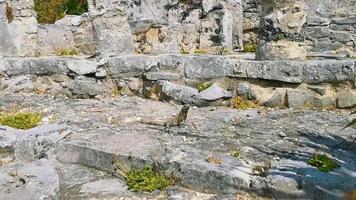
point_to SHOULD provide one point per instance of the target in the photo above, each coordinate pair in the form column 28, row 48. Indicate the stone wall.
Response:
column 251, row 19
column 119, row 27
column 331, row 25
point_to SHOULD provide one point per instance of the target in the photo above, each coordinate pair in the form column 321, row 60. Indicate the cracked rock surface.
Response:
column 71, row 154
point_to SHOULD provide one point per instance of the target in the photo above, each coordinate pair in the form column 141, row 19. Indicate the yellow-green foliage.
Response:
column 241, row 103
column 236, row 154
column 203, row 86
column 49, row 11
column 67, row 52
column 322, row 162
column 200, row 51
column 21, row 120
column 182, row 51
column 250, row 48
column 146, row 180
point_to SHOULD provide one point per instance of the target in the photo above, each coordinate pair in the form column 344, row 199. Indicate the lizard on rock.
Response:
column 176, row 120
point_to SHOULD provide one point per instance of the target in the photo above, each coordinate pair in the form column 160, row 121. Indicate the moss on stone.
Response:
column 21, row 120
column 322, row 162
column 200, row 51
column 241, row 103
column 203, row 86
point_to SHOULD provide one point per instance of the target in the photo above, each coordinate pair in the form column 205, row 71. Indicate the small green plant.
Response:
column 236, row 154
column 21, row 120
column 182, row 51
column 67, row 52
column 241, row 103
column 203, row 86
column 322, row 162
column 250, row 48
column 146, row 179
column 200, row 51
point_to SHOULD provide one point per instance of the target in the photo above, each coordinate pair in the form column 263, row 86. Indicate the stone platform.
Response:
column 72, row 152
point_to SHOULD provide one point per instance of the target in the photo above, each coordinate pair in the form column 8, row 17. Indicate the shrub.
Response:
column 21, row 120
column 250, row 48
column 146, row 180
column 322, row 162
column 49, row 11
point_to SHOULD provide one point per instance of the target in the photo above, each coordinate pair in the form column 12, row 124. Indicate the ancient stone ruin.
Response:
column 92, row 102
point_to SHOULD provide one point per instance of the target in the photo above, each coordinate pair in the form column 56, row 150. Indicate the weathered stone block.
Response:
column 286, row 71
column 208, row 67
column 331, row 71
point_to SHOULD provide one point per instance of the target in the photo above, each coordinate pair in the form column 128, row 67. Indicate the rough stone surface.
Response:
column 213, row 93
column 180, row 93
column 346, row 99
column 99, row 132
column 83, row 67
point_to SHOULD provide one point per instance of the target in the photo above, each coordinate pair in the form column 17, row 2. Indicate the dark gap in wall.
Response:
column 49, row 11
column 9, row 12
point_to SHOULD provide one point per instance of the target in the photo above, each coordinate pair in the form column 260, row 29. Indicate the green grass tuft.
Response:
column 250, row 48
column 203, row 86
column 146, row 180
column 21, row 120
column 67, row 52
column 322, row 162
column 236, row 154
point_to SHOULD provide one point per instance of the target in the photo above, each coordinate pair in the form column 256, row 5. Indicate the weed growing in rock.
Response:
column 322, row 162
column 9, row 12
column 147, row 179
column 67, row 52
column 236, row 154
column 200, row 51
column 241, row 103
column 250, row 48
column 203, row 86
column 21, row 120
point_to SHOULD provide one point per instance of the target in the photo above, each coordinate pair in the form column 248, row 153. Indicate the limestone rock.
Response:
column 180, row 93
column 214, row 92
column 82, row 67
column 298, row 98
column 347, row 99
column 36, row 180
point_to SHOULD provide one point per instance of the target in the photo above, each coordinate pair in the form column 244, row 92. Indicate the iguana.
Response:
column 176, row 120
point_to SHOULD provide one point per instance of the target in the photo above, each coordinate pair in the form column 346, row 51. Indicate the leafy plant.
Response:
column 322, row 162
column 146, row 179
column 200, row 51
column 250, row 48
column 236, row 154
column 21, row 120
column 67, row 52
column 203, row 86
column 241, row 103
column 49, row 11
